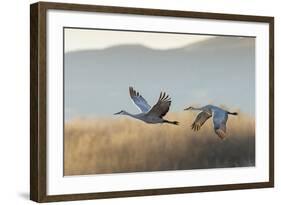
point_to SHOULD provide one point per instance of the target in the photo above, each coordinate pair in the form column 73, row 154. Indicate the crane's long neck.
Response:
column 209, row 110
column 126, row 113
column 194, row 108
column 129, row 114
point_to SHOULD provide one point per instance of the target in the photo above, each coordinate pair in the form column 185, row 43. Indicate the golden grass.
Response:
column 123, row 144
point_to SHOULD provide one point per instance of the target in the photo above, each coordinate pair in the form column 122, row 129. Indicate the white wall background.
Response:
column 14, row 103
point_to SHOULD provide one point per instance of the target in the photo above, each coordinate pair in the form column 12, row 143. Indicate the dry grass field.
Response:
column 122, row 144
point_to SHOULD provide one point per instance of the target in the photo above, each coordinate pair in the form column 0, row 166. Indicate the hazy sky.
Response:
column 193, row 69
column 84, row 39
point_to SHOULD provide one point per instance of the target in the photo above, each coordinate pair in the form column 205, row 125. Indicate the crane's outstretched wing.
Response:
column 162, row 106
column 201, row 118
column 139, row 101
column 219, row 120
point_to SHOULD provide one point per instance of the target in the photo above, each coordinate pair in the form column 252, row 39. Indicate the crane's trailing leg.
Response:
column 232, row 113
column 171, row 122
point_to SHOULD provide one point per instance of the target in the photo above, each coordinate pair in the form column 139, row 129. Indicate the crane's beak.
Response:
column 117, row 113
column 187, row 108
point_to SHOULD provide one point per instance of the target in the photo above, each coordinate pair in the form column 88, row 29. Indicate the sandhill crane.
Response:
column 150, row 115
column 220, row 117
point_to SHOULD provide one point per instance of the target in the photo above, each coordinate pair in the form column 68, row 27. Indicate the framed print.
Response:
column 134, row 102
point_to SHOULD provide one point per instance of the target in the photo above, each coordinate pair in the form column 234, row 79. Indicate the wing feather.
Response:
column 162, row 106
column 201, row 118
column 220, row 133
column 138, row 100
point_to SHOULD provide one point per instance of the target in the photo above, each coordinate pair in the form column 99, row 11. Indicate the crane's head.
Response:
column 122, row 112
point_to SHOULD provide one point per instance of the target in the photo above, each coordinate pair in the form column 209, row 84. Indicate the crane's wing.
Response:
column 219, row 120
column 139, row 101
column 201, row 118
column 161, row 107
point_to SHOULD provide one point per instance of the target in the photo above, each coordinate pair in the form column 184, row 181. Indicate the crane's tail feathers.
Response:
column 232, row 113
column 171, row 122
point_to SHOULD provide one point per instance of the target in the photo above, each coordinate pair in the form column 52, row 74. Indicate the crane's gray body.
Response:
column 151, row 115
column 220, row 117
